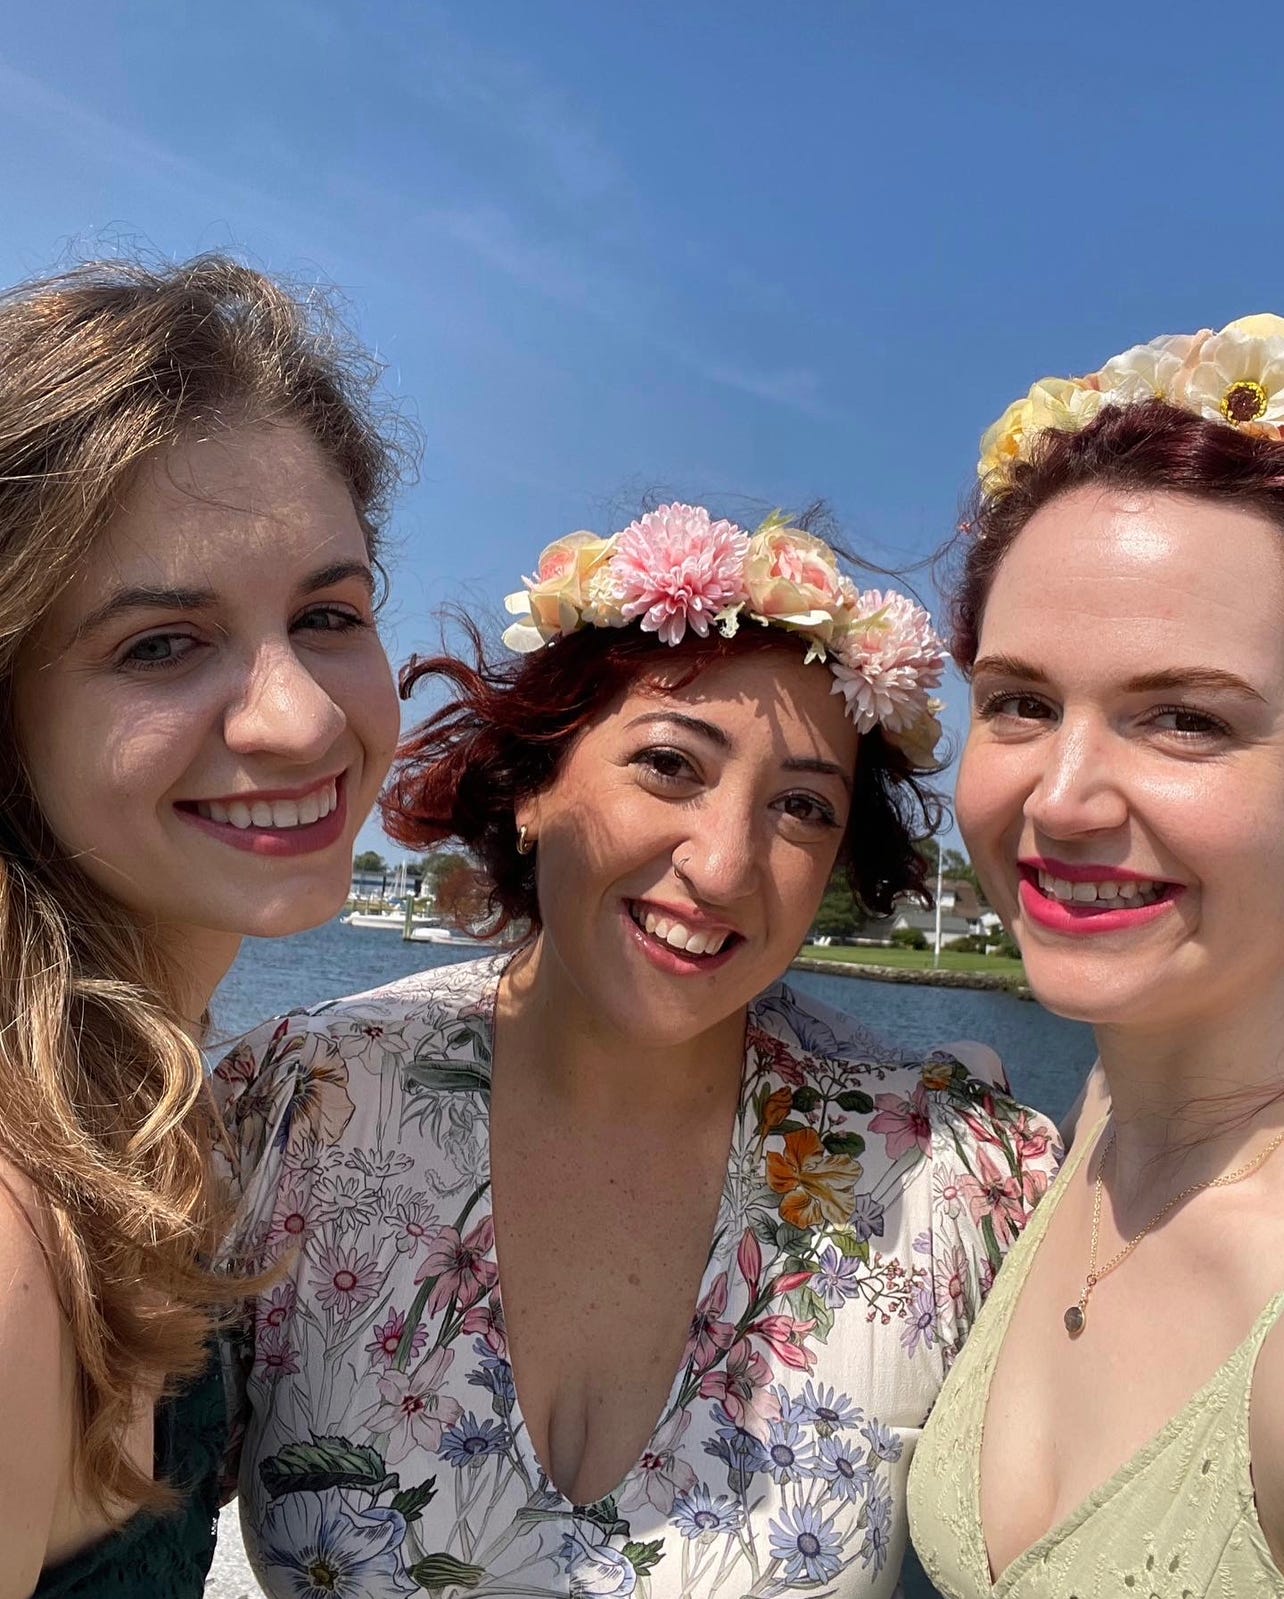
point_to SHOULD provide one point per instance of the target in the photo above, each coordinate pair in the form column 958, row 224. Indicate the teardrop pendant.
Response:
column 1075, row 1320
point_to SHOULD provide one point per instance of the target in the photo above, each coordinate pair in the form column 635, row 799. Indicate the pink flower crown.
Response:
column 1235, row 377
column 676, row 569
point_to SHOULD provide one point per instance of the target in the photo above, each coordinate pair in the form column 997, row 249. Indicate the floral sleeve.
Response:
column 992, row 1161
column 254, row 1087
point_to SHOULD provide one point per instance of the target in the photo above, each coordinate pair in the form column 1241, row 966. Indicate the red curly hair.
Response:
column 508, row 723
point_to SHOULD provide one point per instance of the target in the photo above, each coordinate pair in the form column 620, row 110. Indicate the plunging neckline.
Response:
column 718, row 1259
column 996, row 1587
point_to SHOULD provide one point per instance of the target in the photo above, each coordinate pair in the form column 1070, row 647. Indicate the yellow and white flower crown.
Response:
column 1235, row 377
column 675, row 568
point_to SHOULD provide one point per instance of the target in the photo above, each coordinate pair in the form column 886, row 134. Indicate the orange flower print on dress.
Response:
column 818, row 1187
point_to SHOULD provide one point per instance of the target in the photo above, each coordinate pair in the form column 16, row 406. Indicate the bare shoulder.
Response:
column 36, row 1396
column 1266, row 1439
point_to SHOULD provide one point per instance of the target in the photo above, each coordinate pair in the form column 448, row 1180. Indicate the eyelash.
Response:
column 348, row 622
column 989, row 708
column 824, row 817
column 1215, row 724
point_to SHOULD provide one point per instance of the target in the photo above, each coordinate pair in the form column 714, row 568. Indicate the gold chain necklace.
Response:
column 1076, row 1317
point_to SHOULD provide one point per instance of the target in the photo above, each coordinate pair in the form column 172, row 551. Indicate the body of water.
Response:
column 1046, row 1057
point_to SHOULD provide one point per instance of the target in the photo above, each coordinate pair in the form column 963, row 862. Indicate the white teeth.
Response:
column 1128, row 890
column 677, row 936
column 273, row 813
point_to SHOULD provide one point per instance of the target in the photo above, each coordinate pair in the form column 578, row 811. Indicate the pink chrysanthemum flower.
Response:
column 676, row 569
column 886, row 661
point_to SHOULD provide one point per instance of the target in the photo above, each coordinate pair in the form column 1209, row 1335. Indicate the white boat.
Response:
column 436, row 934
column 393, row 919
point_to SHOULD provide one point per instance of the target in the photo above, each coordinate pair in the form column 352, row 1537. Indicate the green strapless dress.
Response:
column 161, row 1556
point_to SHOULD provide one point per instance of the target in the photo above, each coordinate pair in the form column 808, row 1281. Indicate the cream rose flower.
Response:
column 1147, row 371
column 555, row 599
column 792, row 579
column 1265, row 325
column 1237, row 375
column 1066, row 404
column 1001, row 441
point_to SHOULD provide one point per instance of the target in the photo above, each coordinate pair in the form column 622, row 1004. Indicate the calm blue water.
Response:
column 1045, row 1056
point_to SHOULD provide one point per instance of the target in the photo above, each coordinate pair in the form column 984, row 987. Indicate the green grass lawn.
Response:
column 919, row 960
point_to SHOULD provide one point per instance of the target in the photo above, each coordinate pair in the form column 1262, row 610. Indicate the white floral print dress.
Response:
column 866, row 1207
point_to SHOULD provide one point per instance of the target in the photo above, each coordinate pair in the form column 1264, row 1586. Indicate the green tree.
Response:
column 369, row 860
column 839, row 915
column 954, row 864
column 435, row 868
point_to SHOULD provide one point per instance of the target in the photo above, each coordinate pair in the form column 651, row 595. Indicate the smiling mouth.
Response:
column 276, row 814
column 1108, row 894
column 696, row 943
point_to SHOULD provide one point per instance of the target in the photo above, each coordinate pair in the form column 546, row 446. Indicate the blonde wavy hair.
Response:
column 103, row 1103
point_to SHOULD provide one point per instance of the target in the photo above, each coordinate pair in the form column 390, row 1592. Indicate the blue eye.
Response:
column 158, row 651
column 330, row 619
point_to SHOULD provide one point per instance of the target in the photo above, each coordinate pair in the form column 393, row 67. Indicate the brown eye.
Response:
column 1014, row 707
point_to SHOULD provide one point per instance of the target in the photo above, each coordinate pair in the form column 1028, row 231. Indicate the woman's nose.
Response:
column 279, row 708
column 1081, row 787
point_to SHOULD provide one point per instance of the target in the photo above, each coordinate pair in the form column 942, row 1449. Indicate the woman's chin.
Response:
column 1099, row 989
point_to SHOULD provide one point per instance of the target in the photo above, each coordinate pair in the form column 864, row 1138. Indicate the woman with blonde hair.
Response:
column 195, row 716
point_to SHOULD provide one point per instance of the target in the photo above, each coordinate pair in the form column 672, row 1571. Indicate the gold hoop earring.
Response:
column 525, row 846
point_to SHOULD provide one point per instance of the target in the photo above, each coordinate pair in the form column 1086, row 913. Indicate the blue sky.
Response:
column 731, row 248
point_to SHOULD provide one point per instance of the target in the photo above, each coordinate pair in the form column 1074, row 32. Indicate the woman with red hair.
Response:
column 611, row 1263
column 1115, row 1423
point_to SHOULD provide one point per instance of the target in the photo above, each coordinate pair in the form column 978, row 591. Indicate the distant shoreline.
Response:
column 925, row 977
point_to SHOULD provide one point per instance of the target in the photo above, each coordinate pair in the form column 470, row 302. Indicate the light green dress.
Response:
column 1177, row 1521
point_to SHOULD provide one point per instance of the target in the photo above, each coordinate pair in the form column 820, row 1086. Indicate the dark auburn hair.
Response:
column 1148, row 446
column 509, row 723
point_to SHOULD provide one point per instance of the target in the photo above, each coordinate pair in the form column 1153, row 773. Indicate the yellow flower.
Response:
column 1066, row 404
column 555, row 599
column 1001, row 441
column 1237, row 375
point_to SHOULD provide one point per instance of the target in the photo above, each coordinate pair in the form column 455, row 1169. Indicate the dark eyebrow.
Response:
column 693, row 724
column 1212, row 678
column 1008, row 666
column 715, row 736
column 339, row 572
column 143, row 599
column 160, row 599
column 1196, row 677
column 805, row 763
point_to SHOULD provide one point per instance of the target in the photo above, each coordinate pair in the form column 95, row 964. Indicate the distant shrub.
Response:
column 909, row 938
